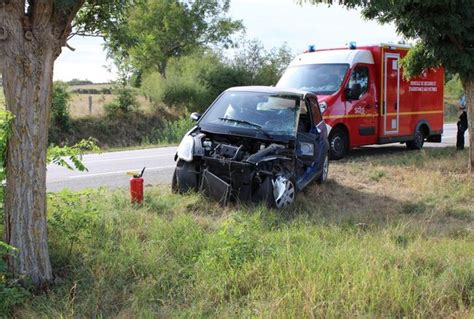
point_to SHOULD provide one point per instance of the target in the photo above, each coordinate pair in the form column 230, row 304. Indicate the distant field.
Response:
column 79, row 106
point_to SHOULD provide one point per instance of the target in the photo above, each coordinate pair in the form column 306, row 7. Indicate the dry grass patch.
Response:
column 79, row 107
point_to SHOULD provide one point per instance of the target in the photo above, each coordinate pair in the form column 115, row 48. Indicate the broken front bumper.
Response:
column 227, row 180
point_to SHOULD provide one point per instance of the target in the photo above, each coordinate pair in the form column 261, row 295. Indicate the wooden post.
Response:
column 90, row 104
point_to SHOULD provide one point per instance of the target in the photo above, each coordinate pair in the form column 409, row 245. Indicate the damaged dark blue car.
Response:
column 254, row 144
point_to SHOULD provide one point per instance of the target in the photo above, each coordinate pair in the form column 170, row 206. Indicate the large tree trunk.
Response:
column 28, row 61
column 469, row 92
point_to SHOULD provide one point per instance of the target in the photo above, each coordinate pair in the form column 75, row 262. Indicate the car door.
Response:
column 307, row 136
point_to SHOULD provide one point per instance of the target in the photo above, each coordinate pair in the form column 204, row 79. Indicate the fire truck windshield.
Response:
column 322, row 79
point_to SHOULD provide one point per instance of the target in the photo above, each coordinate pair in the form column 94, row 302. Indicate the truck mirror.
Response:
column 348, row 94
column 195, row 116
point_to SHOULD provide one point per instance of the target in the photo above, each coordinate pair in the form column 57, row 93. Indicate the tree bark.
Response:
column 28, row 61
column 469, row 92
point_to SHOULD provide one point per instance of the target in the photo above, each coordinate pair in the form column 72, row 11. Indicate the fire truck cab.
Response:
column 365, row 98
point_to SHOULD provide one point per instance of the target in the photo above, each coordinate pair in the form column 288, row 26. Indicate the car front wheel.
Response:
column 185, row 178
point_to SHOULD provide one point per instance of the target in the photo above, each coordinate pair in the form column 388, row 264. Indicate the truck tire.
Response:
column 338, row 144
column 418, row 140
column 185, row 178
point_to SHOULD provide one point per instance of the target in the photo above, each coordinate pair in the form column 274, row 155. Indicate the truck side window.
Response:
column 358, row 82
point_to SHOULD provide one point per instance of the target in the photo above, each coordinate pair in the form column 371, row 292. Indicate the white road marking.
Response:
column 121, row 172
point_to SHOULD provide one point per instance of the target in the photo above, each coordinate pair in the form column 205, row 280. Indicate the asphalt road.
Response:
column 109, row 169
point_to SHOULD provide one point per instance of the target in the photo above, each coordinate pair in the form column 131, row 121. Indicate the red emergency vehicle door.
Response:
column 392, row 93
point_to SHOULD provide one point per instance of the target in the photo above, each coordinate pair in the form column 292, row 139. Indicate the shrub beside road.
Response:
column 390, row 235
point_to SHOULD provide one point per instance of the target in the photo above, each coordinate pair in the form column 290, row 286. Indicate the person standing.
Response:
column 462, row 124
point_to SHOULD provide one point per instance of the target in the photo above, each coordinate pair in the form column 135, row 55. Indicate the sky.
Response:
column 273, row 22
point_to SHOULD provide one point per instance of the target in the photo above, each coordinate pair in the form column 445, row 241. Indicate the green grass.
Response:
column 390, row 235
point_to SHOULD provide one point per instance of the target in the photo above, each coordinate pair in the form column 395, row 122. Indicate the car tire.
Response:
column 418, row 140
column 266, row 194
column 324, row 174
column 185, row 178
column 338, row 144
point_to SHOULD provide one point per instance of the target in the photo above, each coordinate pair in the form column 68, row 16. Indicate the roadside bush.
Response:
column 11, row 293
column 171, row 132
column 60, row 106
column 184, row 86
column 125, row 102
column 193, row 82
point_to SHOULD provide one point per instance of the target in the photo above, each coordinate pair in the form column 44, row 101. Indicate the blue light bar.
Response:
column 311, row 48
column 352, row 45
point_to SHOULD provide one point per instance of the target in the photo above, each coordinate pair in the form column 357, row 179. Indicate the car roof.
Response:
column 272, row 90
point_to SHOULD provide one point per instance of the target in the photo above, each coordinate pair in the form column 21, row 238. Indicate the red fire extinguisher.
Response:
column 136, row 187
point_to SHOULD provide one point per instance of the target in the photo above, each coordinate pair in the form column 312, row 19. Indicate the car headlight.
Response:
column 185, row 148
column 323, row 106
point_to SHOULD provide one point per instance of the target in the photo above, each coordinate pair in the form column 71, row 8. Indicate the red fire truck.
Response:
column 365, row 98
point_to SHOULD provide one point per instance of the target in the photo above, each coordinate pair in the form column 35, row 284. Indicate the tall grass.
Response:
column 395, row 243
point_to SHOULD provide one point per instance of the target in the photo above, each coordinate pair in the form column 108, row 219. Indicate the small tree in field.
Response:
column 445, row 34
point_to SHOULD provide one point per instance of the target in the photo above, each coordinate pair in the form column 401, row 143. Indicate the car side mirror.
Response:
column 195, row 116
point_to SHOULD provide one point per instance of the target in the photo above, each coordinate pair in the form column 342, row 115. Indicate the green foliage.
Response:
column 60, row 155
column 11, row 293
column 147, row 33
column 61, row 99
column 125, row 102
column 453, row 88
column 450, row 45
column 193, row 82
column 171, row 132
column 262, row 67
column 185, row 86
column 72, row 216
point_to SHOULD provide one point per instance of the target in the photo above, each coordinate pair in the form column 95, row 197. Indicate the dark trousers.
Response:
column 462, row 128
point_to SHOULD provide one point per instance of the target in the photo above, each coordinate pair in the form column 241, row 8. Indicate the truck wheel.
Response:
column 185, row 178
column 324, row 175
column 418, row 140
column 338, row 144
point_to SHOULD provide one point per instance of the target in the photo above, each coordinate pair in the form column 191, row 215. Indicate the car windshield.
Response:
column 269, row 114
column 322, row 79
